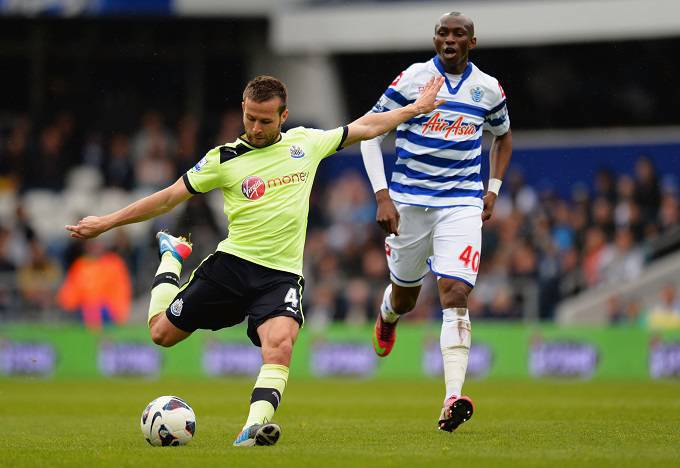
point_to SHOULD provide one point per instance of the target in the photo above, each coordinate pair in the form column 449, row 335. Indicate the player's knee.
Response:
column 278, row 350
column 454, row 294
column 161, row 337
column 284, row 347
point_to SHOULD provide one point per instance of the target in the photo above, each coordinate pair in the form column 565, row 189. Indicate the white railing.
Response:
column 590, row 307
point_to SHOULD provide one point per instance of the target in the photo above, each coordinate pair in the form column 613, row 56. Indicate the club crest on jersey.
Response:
column 200, row 164
column 176, row 307
column 252, row 187
column 476, row 93
column 296, row 152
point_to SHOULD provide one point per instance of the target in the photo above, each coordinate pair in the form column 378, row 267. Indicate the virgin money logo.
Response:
column 252, row 187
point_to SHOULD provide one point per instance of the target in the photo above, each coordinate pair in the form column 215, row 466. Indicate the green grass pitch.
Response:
column 347, row 423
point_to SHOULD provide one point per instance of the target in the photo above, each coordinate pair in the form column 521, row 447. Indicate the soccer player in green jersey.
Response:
column 266, row 177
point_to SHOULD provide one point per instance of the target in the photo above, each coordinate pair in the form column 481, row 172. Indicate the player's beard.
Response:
column 269, row 139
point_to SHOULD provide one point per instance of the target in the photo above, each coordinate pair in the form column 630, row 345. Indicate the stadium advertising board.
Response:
column 128, row 359
column 562, row 359
column 498, row 351
column 224, row 359
column 479, row 361
column 664, row 359
column 342, row 359
column 27, row 358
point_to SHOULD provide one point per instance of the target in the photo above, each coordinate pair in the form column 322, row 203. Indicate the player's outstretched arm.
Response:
column 371, row 125
column 141, row 210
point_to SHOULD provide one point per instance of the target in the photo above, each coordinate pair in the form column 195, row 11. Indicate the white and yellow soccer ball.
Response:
column 168, row 421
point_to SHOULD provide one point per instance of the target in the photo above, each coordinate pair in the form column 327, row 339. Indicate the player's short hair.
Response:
column 471, row 30
column 263, row 88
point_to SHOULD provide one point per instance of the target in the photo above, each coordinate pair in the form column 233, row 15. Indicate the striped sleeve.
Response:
column 497, row 119
column 396, row 95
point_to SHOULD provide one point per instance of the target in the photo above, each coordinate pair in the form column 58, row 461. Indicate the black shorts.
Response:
column 226, row 289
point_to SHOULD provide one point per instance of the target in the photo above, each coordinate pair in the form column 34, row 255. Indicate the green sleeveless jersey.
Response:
column 266, row 193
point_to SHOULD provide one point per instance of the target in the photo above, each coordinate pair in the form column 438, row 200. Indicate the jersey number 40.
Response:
column 469, row 257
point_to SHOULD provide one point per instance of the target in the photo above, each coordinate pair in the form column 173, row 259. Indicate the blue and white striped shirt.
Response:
column 439, row 154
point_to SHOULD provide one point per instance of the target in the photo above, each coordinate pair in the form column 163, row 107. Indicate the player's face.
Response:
column 262, row 121
column 453, row 39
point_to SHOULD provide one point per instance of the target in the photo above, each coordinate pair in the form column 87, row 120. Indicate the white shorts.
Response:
column 445, row 241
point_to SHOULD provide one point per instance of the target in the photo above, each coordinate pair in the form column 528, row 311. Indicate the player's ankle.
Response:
column 389, row 316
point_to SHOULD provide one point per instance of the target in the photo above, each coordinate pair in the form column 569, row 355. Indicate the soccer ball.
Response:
column 168, row 421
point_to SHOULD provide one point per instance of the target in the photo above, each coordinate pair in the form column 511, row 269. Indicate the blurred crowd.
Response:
column 538, row 249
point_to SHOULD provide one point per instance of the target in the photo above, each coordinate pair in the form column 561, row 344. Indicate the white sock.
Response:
column 388, row 314
column 455, row 345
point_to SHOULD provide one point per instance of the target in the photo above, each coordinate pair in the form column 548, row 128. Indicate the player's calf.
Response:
column 172, row 252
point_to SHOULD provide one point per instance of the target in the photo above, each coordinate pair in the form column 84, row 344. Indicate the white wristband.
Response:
column 494, row 186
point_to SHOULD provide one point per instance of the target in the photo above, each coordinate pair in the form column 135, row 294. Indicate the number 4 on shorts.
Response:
column 292, row 297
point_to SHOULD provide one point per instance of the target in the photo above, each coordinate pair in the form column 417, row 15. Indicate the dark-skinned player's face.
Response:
column 262, row 121
column 453, row 39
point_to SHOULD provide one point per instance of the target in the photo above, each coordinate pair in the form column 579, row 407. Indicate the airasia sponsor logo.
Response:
column 252, row 187
column 457, row 127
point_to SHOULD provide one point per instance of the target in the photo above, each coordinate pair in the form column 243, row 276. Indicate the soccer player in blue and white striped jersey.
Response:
column 439, row 196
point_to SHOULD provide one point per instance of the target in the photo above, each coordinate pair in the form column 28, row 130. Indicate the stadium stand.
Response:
column 79, row 133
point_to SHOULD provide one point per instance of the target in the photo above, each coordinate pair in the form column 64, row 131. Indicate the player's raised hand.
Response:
column 88, row 227
column 427, row 101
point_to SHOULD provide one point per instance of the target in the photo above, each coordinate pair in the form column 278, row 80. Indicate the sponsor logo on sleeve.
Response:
column 200, row 164
column 380, row 105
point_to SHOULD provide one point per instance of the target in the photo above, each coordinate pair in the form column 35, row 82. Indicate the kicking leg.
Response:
column 277, row 336
column 173, row 252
